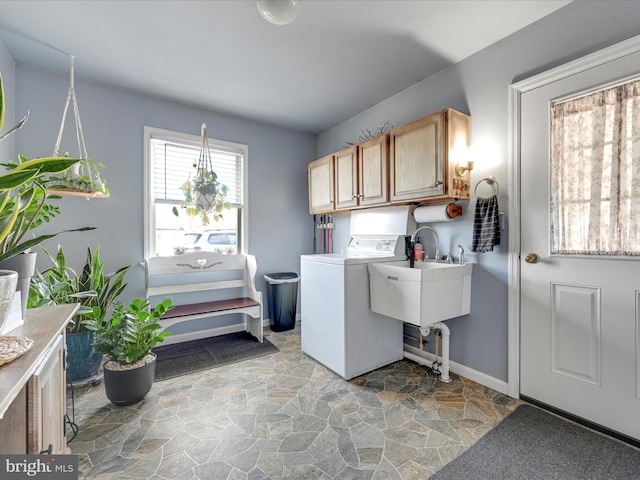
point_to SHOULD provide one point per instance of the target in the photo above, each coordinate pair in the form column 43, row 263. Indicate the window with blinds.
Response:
column 175, row 163
column 171, row 161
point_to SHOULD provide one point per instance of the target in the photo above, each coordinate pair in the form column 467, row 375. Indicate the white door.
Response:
column 579, row 340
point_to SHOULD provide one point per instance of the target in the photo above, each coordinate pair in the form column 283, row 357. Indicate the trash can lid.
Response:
column 282, row 277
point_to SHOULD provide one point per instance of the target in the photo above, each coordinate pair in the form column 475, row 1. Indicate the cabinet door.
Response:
column 321, row 185
column 417, row 159
column 13, row 426
column 47, row 403
column 373, row 161
column 347, row 178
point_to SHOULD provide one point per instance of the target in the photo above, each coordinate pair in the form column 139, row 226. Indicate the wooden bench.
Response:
column 206, row 276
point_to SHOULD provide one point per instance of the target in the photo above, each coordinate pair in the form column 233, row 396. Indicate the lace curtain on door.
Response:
column 595, row 173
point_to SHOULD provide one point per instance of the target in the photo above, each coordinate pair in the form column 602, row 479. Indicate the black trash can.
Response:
column 282, row 294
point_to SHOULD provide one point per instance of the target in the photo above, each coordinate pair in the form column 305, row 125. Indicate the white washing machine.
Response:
column 338, row 328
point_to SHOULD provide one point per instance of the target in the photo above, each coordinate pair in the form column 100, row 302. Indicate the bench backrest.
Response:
column 198, row 263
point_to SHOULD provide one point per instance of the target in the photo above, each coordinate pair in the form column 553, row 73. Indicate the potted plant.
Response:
column 204, row 196
column 93, row 289
column 24, row 206
column 126, row 339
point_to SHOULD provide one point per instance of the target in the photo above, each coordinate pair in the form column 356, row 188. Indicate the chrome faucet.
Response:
column 460, row 254
column 428, row 227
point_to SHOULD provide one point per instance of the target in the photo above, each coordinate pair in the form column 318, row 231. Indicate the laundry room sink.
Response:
column 428, row 293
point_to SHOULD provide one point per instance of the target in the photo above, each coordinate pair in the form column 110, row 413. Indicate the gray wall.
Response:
column 7, row 68
column 479, row 86
column 113, row 120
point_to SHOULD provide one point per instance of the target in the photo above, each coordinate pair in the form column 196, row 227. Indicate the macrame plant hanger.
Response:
column 83, row 180
column 205, row 173
column 204, row 194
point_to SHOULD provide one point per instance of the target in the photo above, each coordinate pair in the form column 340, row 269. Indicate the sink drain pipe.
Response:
column 440, row 367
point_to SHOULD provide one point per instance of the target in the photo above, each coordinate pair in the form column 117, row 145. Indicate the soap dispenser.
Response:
column 418, row 252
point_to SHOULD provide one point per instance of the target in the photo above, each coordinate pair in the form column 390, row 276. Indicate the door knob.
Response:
column 532, row 258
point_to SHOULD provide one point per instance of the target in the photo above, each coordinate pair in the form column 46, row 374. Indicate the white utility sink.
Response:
column 428, row 293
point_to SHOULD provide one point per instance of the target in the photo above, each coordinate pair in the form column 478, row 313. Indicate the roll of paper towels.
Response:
column 437, row 213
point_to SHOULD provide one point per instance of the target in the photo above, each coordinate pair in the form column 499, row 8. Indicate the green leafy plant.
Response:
column 93, row 289
column 204, row 196
column 90, row 182
column 131, row 332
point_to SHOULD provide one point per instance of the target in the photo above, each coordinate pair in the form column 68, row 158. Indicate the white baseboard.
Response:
column 413, row 353
column 211, row 332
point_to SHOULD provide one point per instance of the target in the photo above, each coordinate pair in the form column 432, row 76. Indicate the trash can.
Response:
column 282, row 294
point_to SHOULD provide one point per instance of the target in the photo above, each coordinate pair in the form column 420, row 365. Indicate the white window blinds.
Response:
column 174, row 163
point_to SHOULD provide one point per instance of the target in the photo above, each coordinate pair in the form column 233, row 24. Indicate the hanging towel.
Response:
column 486, row 225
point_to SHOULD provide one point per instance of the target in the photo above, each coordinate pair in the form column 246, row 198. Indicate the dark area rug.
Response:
column 197, row 355
column 531, row 444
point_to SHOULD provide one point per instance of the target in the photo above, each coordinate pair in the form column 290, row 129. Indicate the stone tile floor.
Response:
column 284, row 416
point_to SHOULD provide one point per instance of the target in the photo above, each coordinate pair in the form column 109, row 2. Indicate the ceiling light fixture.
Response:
column 279, row 12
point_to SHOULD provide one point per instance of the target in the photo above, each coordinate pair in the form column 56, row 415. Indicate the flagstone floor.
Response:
column 284, row 416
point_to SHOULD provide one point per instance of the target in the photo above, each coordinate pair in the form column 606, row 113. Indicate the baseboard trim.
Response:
column 427, row 358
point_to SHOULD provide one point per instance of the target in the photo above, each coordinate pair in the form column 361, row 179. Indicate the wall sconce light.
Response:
column 279, row 12
column 464, row 167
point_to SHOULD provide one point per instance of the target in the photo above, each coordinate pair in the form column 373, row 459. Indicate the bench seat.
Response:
column 201, row 276
column 209, row 307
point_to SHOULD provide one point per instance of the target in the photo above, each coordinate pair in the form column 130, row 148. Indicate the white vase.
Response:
column 8, row 283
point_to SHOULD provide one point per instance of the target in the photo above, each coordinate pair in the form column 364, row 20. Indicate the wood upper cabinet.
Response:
column 321, row 185
column 347, row 178
column 413, row 163
column 423, row 155
column 362, row 174
column 373, row 164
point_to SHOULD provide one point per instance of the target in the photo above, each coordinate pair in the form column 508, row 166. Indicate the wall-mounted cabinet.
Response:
column 362, row 174
column 346, row 178
column 373, row 161
column 414, row 163
column 423, row 158
column 321, row 185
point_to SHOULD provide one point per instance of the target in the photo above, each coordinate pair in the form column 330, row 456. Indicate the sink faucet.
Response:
column 460, row 254
column 426, row 227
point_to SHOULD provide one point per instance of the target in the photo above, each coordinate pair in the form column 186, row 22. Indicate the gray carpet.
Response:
column 197, row 355
column 531, row 444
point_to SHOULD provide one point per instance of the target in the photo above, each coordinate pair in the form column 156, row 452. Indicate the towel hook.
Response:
column 491, row 180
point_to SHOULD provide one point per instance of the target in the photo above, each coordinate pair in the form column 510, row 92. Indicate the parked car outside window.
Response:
column 209, row 241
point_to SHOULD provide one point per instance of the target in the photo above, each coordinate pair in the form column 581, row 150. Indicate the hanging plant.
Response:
column 84, row 178
column 204, row 195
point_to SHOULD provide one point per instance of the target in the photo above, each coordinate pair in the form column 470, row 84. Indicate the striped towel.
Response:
column 486, row 225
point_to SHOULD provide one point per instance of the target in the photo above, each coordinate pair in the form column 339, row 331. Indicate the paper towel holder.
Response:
column 446, row 213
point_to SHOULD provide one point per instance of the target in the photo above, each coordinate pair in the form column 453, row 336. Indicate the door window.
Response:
column 595, row 172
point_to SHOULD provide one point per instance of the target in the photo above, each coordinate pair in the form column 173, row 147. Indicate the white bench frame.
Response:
column 198, row 262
